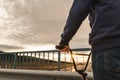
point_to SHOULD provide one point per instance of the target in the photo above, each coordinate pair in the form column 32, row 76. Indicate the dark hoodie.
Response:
column 104, row 16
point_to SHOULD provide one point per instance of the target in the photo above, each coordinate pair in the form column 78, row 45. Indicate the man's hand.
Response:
column 62, row 48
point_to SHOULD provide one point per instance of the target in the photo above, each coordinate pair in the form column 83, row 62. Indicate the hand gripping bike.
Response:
column 81, row 72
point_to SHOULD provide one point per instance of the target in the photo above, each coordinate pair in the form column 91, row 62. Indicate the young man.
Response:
column 104, row 16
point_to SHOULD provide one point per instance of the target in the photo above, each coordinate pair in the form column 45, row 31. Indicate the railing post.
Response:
column 15, row 60
column 58, row 61
column 3, row 60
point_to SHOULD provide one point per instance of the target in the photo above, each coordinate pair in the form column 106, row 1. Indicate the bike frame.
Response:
column 82, row 72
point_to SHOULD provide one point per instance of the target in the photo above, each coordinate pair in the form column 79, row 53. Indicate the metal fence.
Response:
column 44, row 60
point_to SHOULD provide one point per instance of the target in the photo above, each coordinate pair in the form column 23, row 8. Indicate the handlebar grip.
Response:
column 59, row 47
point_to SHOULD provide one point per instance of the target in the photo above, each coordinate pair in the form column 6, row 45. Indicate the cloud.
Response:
column 9, row 47
column 37, row 22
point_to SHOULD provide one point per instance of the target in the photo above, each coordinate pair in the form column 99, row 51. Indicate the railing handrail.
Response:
column 44, row 74
column 76, row 49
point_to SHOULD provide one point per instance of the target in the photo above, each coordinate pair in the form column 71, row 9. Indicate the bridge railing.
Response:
column 17, row 74
column 44, row 60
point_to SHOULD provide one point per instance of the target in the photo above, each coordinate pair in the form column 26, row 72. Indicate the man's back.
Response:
column 106, row 25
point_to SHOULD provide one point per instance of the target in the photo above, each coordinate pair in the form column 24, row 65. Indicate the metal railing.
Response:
column 43, row 60
column 16, row 74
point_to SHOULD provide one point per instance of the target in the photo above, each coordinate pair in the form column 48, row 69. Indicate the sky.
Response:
column 37, row 25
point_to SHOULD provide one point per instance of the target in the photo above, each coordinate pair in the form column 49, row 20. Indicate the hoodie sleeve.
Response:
column 77, row 14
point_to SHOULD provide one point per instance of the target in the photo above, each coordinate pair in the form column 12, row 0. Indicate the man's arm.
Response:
column 78, row 13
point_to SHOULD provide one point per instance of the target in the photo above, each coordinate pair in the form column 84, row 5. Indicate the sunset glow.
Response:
column 40, row 47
